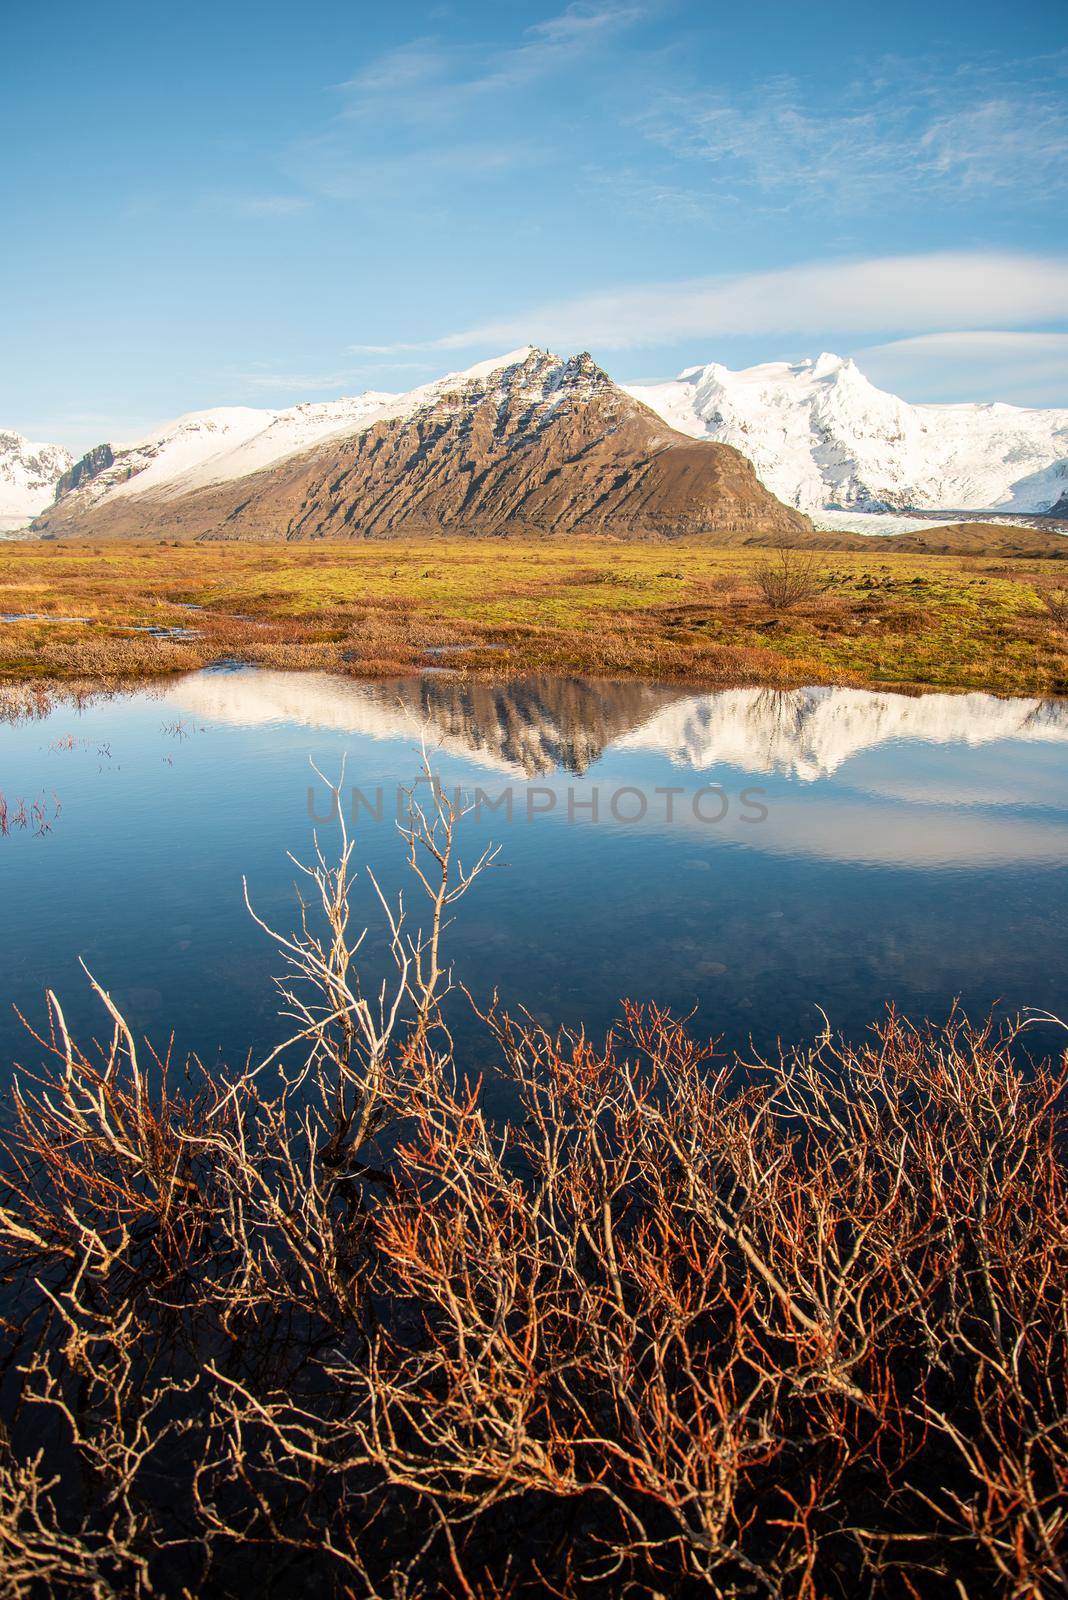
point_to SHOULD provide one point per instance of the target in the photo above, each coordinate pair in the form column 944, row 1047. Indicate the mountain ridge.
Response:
column 536, row 724
column 529, row 444
column 821, row 437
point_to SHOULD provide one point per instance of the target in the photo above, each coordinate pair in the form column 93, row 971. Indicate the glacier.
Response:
column 823, row 438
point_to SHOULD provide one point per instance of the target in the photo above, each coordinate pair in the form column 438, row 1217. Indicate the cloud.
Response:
column 262, row 380
column 1023, row 368
column 999, row 143
column 430, row 80
column 409, row 66
column 562, row 40
column 432, row 116
column 649, row 200
column 339, row 171
column 427, row 79
column 299, row 382
column 917, row 129
column 885, row 295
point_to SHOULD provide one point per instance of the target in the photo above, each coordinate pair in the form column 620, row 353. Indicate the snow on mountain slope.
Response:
column 529, row 443
column 28, row 477
column 214, row 446
column 230, row 442
column 822, row 436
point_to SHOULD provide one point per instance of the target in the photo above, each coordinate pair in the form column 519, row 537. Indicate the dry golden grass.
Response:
column 652, row 611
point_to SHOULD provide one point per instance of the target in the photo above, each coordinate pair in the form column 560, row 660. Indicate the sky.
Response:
column 254, row 204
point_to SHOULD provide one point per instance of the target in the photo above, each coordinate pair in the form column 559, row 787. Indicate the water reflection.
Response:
column 913, row 849
column 540, row 725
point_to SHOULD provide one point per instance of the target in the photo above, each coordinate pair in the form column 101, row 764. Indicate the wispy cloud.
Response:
column 1001, row 142
column 410, row 66
column 267, row 381
column 648, row 199
column 428, row 77
column 918, row 129
column 338, row 170
column 296, row 382
column 995, row 364
column 889, row 294
column 441, row 106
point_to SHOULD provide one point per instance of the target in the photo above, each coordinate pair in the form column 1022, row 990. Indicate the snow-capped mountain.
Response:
column 529, row 443
column 226, row 443
column 28, row 477
column 821, row 437
column 812, row 733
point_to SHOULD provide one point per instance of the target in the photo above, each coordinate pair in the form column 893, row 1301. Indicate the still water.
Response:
column 749, row 856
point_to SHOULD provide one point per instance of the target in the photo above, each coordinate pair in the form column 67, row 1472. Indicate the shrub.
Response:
column 1056, row 603
column 787, row 578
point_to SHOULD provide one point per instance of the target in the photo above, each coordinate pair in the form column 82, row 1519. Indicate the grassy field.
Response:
column 633, row 610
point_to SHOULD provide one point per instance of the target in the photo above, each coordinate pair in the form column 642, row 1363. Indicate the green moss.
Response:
column 647, row 610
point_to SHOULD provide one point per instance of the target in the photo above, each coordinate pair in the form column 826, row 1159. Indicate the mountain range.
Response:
column 533, row 443
column 528, row 444
column 916, row 813
column 822, row 437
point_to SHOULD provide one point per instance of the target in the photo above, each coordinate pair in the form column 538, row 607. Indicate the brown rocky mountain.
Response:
column 542, row 447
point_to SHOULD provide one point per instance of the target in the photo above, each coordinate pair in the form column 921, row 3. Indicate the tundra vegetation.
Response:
column 875, row 618
column 676, row 1325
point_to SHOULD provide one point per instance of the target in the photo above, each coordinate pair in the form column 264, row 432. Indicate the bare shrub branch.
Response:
column 1056, row 603
column 788, row 577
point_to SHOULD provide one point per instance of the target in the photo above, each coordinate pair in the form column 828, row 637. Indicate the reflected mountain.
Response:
column 527, row 727
column 811, row 733
column 534, row 726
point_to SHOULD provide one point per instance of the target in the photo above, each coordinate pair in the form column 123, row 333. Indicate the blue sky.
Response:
column 253, row 204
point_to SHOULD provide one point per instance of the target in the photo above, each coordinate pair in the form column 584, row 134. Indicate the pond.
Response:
column 758, row 859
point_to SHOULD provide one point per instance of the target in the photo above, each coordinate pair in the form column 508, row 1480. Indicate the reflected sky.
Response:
column 819, row 848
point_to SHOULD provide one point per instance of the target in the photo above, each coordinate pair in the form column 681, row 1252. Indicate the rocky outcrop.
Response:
column 542, row 446
column 91, row 465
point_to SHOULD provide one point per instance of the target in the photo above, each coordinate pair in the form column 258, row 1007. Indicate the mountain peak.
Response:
column 524, row 444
